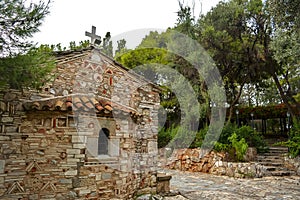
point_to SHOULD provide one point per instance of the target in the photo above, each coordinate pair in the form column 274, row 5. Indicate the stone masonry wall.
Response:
column 43, row 156
column 293, row 164
column 212, row 162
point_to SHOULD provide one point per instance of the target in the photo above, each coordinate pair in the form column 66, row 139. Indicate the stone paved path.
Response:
column 198, row 186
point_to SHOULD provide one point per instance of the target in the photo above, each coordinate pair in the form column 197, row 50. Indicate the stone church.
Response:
column 91, row 133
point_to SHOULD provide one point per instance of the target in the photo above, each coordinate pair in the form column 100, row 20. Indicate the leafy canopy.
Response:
column 19, row 20
column 21, row 64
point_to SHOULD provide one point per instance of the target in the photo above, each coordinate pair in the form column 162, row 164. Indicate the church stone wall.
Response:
column 43, row 155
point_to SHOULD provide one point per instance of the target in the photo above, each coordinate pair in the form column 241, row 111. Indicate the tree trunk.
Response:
column 294, row 111
column 231, row 108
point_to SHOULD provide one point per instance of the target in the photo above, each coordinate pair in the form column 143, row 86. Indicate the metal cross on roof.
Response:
column 95, row 39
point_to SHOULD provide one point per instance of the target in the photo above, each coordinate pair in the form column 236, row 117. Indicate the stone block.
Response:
column 4, row 138
column 11, row 129
column 98, row 177
column 2, row 166
column 7, row 119
column 92, row 147
column 73, row 160
column 78, row 139
column 85, row 133
column 114, row 147
column 79, row 146
column 105, row 176
column 73, row 151
column 84, row 191
column 65, row 181
column 34, row 197
column 79, row 156
column 152, row 147
column 71, row 173
column 163, row 183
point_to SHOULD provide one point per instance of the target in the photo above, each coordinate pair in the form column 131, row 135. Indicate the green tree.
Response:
column 21, row 64
column 27, row 70
column 236, row 33
column 285, row 46
column 121, row 48
column 107, row 46
column 253, row 41
column 19, row 20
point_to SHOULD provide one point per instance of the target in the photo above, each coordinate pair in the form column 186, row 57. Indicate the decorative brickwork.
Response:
column 49, row 139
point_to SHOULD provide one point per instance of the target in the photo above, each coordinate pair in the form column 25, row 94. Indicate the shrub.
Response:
column 200, row 135
column 164, row 137
column 227, row 132
column 294, row 140
column 240, row 146
column 175, row 137
column 252, row 137
column 222, row 147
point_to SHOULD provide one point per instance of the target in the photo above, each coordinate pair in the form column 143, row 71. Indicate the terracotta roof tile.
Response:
column 69, row 105
column 79, row 103
column 99, row 107
column 35, row 106
column 59, row 105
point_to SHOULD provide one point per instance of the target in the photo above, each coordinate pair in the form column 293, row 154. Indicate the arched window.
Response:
column 103, row 141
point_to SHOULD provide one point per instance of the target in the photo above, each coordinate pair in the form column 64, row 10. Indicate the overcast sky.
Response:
column 69, row 19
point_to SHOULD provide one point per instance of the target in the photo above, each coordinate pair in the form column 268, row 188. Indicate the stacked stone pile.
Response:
column 212, row 162
column 293, row 164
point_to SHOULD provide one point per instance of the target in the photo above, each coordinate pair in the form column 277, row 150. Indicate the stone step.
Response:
column 270, row 168
column 277, row 152
column 282, row 173
column 278, row 149
column 270, row 157
column 273, row 154
column 272, row 160
column 279, row 164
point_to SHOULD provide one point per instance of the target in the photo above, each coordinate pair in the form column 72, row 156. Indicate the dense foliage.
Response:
column 21, row 64
column 294, row 140
column 234, row 140
column 27, row 70
column 255, row 45
column 19, row 20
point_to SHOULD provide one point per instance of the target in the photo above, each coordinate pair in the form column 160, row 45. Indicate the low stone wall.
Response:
column 293, row 164
column 212, row 162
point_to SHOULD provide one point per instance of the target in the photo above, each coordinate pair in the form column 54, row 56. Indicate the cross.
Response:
column 95, row 39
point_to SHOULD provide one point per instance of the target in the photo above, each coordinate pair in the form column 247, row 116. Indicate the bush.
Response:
column 222, row 147
column 240, row 146
column 200, row 135
column 294, row 140
column 164, row 137
column 227, row 132
column 178, row 137
column 175, row 137
column 253, row 138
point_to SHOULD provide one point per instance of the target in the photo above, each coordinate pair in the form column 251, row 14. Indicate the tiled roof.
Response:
column 78, row 103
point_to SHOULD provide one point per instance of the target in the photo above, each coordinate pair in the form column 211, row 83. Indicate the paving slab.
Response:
column 195, row 186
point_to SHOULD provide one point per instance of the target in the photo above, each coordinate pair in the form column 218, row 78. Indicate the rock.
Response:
column 177, row 197
column 145, row 197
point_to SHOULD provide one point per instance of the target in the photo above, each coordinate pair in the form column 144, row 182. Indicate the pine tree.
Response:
column 21, row 64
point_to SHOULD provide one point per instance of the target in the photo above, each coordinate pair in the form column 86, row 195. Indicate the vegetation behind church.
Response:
column 21, row 63
column 255, row 46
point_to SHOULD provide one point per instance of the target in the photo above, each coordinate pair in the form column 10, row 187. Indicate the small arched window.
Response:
column 103, row 141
